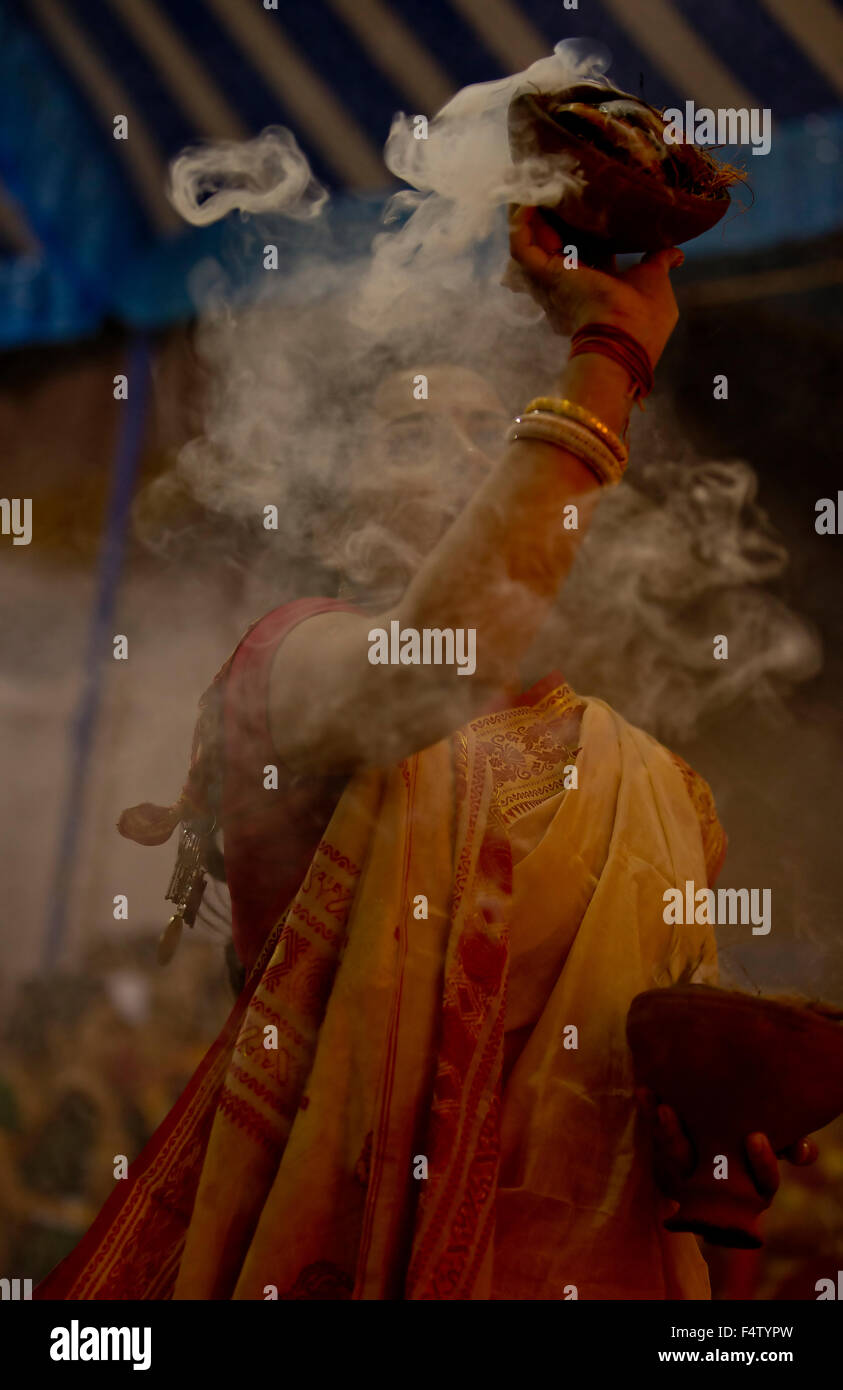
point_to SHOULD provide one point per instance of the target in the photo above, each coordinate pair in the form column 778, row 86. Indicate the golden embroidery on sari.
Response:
column 526, row 751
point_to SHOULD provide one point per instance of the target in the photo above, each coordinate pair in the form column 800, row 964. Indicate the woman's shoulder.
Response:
column 256, row 647
column 232, row 720
column 268, row 630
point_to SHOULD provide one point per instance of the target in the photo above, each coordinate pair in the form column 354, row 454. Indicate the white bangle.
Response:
column 568, row 434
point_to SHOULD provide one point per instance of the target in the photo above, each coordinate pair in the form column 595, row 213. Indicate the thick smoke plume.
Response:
column 310, row 408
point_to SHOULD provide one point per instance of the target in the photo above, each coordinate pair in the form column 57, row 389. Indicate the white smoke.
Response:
column 295, row 417
column 669, row 564
column 269, row 174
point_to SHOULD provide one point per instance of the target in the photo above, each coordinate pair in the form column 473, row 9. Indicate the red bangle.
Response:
column 622, row 348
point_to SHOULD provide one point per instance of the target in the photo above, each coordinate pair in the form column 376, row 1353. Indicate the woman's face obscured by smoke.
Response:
column 435, row 434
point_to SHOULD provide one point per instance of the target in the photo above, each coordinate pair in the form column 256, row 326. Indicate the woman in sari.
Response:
column 446, row 891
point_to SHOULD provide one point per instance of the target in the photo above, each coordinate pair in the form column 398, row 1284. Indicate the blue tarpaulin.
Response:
column 86, row 230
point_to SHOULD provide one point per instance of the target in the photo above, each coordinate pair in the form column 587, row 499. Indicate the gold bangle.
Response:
column 559, row 406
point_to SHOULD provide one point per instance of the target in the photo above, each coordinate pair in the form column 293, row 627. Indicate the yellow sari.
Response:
column 353, row 1134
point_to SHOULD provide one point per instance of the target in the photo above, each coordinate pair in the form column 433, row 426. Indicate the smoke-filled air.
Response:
column 310, row 406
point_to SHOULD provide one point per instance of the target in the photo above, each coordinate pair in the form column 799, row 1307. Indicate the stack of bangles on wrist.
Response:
column 569, row 425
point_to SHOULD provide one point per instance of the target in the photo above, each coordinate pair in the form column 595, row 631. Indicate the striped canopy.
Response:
column 87, row 233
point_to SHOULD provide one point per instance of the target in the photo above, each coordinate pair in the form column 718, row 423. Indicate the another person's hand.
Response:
column 639, row 300
column 674, row 1158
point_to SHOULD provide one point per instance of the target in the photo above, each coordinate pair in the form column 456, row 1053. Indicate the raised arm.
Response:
column 498, row 567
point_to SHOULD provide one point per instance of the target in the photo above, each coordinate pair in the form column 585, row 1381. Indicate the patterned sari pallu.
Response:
column 370, row 1036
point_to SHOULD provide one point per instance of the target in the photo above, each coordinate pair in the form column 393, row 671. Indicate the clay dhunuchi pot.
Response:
column 638, row 193
column 731, row 1064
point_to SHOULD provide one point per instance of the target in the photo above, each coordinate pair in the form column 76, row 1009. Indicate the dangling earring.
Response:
column 187, row 885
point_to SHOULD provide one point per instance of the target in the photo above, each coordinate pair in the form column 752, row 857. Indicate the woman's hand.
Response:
column 639, row 300
column 674, row 1159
